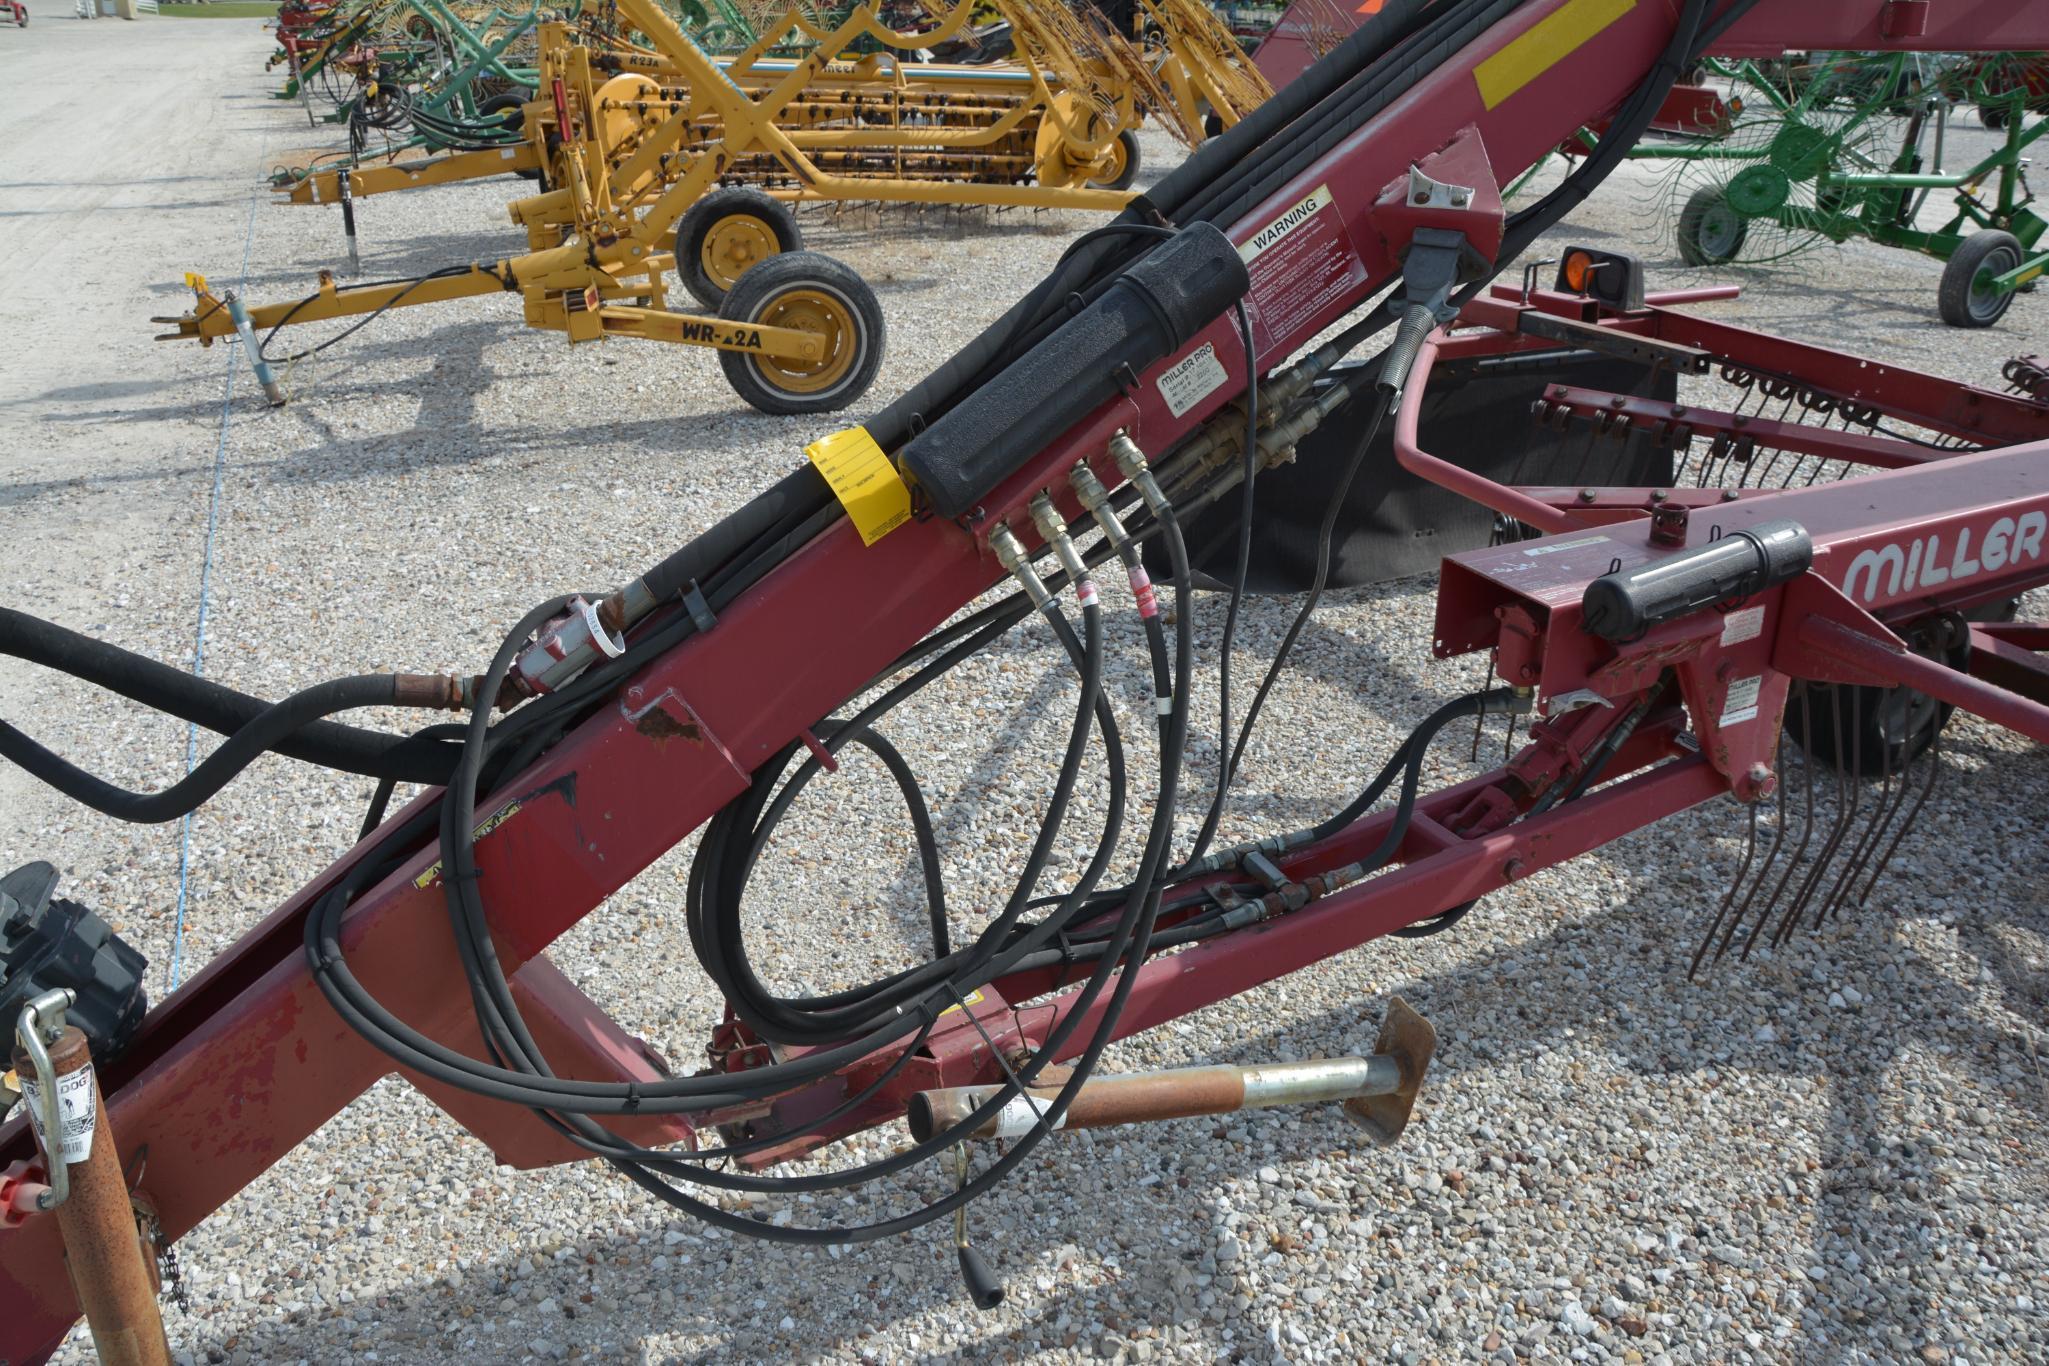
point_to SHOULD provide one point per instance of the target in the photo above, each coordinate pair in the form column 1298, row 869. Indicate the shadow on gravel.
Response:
column 607, row 1294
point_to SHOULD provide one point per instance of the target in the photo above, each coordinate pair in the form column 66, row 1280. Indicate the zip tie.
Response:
column 700, row 610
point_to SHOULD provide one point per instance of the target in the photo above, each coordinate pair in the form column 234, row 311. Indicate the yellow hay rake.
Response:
column 646, row 144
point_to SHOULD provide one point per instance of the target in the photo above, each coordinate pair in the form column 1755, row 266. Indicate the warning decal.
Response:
column 75, row 1115
column 1300, row 262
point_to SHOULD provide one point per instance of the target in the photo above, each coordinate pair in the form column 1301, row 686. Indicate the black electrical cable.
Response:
column 1249, row 476
column 262, row 349
column 731, row 842
column 457, row 879
column 1324, row 535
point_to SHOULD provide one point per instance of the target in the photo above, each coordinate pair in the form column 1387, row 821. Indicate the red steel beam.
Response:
column 1890, row 661
column 2005, row 662
column 228, row 1089
column 1764, row 433
column 1352, row 916
column 246, row 1061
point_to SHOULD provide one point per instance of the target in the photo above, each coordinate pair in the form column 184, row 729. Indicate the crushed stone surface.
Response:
column 1831, row 1153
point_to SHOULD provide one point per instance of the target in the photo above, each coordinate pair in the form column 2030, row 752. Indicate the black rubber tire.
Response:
column 1985, row 252
column 503, row 104
column 1883, row 729
column 1992, row 116
column 707, row 213
column 1699, row 243
column 755, row 297
column 514, row 103
column 1122, row 181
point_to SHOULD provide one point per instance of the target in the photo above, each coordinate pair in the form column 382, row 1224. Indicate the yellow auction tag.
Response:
column 867, row 485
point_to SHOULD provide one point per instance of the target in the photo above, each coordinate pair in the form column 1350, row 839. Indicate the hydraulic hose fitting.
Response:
column 1053, row 528
column 1132, row 465
column 1011, row 555
column 1096, row 499
column 562, row 649
column 443, row 692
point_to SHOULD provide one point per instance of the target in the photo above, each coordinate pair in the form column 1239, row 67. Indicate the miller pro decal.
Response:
column 1300, row 262
column 1192, row 379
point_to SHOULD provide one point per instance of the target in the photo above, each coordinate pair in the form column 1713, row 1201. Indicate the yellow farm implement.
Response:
column 659, row 157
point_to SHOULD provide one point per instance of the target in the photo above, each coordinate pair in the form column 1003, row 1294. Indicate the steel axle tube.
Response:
column 1180, row 1093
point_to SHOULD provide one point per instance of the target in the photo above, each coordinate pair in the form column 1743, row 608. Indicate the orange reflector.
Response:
column 1578, row 271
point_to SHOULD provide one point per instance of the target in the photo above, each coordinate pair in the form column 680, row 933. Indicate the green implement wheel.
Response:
column 1967, row 297
column 1710, row 231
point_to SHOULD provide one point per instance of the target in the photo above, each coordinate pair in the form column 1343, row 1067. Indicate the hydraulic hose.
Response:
column 214, row 772
column 188, row 697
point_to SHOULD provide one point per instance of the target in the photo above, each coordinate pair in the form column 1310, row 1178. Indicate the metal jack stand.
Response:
column 87, row 1190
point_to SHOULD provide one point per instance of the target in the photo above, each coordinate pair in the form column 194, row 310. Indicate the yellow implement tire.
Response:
column 814, row 293
column 726, row 234
column 1122, row 166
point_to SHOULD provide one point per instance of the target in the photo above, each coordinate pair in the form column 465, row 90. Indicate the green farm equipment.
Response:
column 1854, row 149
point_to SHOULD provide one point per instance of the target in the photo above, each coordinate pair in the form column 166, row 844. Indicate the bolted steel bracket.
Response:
column 1411, row 1041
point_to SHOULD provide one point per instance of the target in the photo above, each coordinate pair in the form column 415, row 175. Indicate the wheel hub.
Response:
column 1758, row 190
column 825, row 316
column 736, row 244
column 1801, row 152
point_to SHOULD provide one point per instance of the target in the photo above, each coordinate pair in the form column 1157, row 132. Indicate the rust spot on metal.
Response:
column 656, row 724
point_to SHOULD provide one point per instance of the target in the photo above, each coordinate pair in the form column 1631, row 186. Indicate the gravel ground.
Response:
column 1834, row 1153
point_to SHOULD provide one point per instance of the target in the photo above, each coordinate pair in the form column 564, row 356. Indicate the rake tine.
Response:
column 1848, row 795
column 1856, row 784
column 1798, row 905
column 1771, row 855
column 1742, row 870
column 1890, row 800
column 1764, row 913
column 1933, row 758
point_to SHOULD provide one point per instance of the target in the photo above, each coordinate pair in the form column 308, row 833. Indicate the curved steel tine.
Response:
column 1771, row 855
column 1890, row 800
column 1838, row 823
column 1933, row 758
column 1728, row 897
column 1764, row 914
column 1856, row 783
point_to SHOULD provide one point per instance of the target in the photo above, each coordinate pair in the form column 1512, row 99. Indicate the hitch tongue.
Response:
column 1379, row 1092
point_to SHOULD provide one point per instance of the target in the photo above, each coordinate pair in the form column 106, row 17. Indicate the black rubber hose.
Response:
column 1245, row 143
column 791, row 499
column 374, row 754
column 214, row 772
